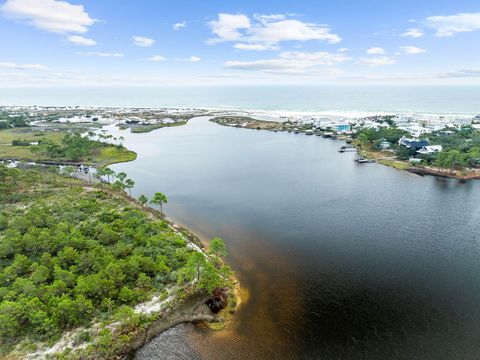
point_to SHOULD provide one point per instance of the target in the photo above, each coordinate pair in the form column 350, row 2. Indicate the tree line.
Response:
column 70, row 256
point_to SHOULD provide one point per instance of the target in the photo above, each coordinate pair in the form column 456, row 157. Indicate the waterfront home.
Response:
column 342, row 127
column 431, row 149
column 416, row 144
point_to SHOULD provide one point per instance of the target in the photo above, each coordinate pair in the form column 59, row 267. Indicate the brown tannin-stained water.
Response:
column 339, row 260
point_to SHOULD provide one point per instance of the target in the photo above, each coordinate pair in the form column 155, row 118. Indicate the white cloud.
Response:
column 377, row 61
column 292, row 30
column 454, row 24
column 269, row 18
column 191, row 59
column 320, row 57
column 343, row 50
column 143, row 41
column 412, row 50
column 227, row 27
column 81, row 40
column 290, row 62
column 49, row 15
column 376, row 51
column 101, row 54
column 268, row 29
column 255, row 47
column 157, row 58
column 11, row 65
column 179, row 25
column 466, row 73
column 413, row 33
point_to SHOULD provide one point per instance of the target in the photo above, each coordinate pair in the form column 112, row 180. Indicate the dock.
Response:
column 361, row 160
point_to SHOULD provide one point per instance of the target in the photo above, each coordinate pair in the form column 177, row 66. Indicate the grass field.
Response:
column 103, row 156
column 7, row 136
column 112, row 154
column 399, row 165
column 8, row 151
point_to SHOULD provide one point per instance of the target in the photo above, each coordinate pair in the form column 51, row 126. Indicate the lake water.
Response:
column 340, row 260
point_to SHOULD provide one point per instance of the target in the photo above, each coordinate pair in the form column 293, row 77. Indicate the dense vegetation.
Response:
column 73, row 147
column 461, row 147
column 8, row 121
column 137, row 128
column 68, row 145
column 70, row 256
column 375, row 137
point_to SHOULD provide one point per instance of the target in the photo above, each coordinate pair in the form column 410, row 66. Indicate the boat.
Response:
column 308, row 132
column 346, row 149
column 362, row 160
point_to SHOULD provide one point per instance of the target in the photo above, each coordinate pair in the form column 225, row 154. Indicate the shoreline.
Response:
column 180, row 304
column 385, row 159
column 421, row 170
column 66, row 162
column 193, row 308
column 275, row 112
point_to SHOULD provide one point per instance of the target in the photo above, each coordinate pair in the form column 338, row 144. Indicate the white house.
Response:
column 430, row 149
column 415, row 129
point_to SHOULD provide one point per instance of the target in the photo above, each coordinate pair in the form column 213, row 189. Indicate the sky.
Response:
column 250, row 42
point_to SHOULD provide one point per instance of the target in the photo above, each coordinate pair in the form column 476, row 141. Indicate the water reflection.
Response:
column 340, row 261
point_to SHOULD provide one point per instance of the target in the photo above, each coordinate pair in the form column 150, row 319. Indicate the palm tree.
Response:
column 108, row 172
column 121, row 176
column 129, row 184
column 118, row 186
column 143, row 200
column 159, row 199
column 99, row 174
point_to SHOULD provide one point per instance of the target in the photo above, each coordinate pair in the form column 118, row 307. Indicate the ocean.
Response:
column 348, row 100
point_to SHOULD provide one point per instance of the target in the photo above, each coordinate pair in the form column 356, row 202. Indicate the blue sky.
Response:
column 110, row 42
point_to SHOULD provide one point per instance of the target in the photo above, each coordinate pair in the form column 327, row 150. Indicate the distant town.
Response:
column 443, row 145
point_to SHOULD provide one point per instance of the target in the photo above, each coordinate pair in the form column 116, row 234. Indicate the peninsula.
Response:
column 87, row 271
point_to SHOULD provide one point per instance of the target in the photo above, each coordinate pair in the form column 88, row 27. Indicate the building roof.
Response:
column 430, row 149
